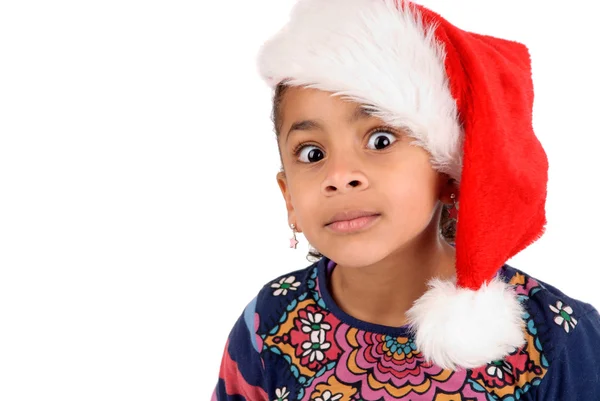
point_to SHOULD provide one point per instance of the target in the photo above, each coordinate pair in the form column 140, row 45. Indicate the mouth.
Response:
column 353, row 221
column 350, row 215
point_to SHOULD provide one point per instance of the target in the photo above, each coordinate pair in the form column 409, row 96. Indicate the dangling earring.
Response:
column 454, row 209
column 293, row 241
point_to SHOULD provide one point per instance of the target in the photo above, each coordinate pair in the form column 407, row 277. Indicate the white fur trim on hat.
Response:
column 458, row 327
column 378, row 54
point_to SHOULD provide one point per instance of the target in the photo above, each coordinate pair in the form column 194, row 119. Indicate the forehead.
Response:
column 309, row 103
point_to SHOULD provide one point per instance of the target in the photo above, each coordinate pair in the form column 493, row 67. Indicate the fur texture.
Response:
column 460, row 328
column 370, row 52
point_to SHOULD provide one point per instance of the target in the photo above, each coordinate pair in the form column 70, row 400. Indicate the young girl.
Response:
column 387, row 117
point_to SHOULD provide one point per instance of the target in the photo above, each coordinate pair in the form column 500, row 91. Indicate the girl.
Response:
column 387, row 117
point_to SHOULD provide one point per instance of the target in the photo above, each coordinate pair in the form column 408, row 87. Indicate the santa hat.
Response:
column 467, row 99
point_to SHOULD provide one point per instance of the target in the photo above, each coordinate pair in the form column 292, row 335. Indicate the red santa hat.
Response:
column 465, row 98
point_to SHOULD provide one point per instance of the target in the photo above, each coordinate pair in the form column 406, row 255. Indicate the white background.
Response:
column 139, row 211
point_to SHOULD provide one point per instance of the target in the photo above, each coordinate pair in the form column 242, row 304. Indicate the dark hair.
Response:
column 447, row 223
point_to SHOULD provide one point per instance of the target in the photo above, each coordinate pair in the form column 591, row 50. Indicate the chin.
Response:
column 358, row 253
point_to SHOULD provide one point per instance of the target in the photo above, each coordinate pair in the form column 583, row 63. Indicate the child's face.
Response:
column 351, row 161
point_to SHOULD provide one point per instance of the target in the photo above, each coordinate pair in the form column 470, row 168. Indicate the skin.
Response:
column 384, row 268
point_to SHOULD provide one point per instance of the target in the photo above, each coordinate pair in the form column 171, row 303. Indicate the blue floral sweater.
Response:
column 293, row 343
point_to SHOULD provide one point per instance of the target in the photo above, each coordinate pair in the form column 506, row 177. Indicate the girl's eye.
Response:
column 381, row 139
column 310, row 154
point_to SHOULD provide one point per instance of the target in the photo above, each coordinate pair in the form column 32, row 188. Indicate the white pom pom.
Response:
column 462, row 328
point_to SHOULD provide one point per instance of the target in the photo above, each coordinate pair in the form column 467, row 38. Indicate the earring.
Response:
column 454, row 209
column 293, row 241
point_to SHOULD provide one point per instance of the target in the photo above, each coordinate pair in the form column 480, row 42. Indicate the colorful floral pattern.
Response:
column 316, row 347
column 284, row 285
column 384, row 366
column 281, row 394
column 333, row 361
column 564, row 316
column 312, row 348
column 326, row 396
column 314, row 323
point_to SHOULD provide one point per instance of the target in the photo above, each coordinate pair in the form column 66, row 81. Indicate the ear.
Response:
column 448, row 186
column 283, row 186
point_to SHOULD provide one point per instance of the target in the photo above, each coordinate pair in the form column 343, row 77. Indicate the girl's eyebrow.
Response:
column 304, row 125
column 359, row 113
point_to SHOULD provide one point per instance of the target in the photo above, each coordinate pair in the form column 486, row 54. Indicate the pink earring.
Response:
column 293, row 241
column 454, row 209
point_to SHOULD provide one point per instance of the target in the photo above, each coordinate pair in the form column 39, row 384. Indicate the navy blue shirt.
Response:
column 292, row 342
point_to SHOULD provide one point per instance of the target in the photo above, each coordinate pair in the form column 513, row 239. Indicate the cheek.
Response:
column 305, row 197
column 414, row 192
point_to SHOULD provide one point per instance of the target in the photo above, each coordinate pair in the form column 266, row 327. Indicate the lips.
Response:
column 350, row 215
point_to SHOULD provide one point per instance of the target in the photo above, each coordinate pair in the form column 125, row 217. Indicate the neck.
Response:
column 381, row 293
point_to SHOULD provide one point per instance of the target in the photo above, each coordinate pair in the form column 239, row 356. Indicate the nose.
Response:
column 342, row 177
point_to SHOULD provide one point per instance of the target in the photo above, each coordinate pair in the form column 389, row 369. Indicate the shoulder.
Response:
column 263, row 313
column 562, row 337
column 546, row 304
column 280, row 294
